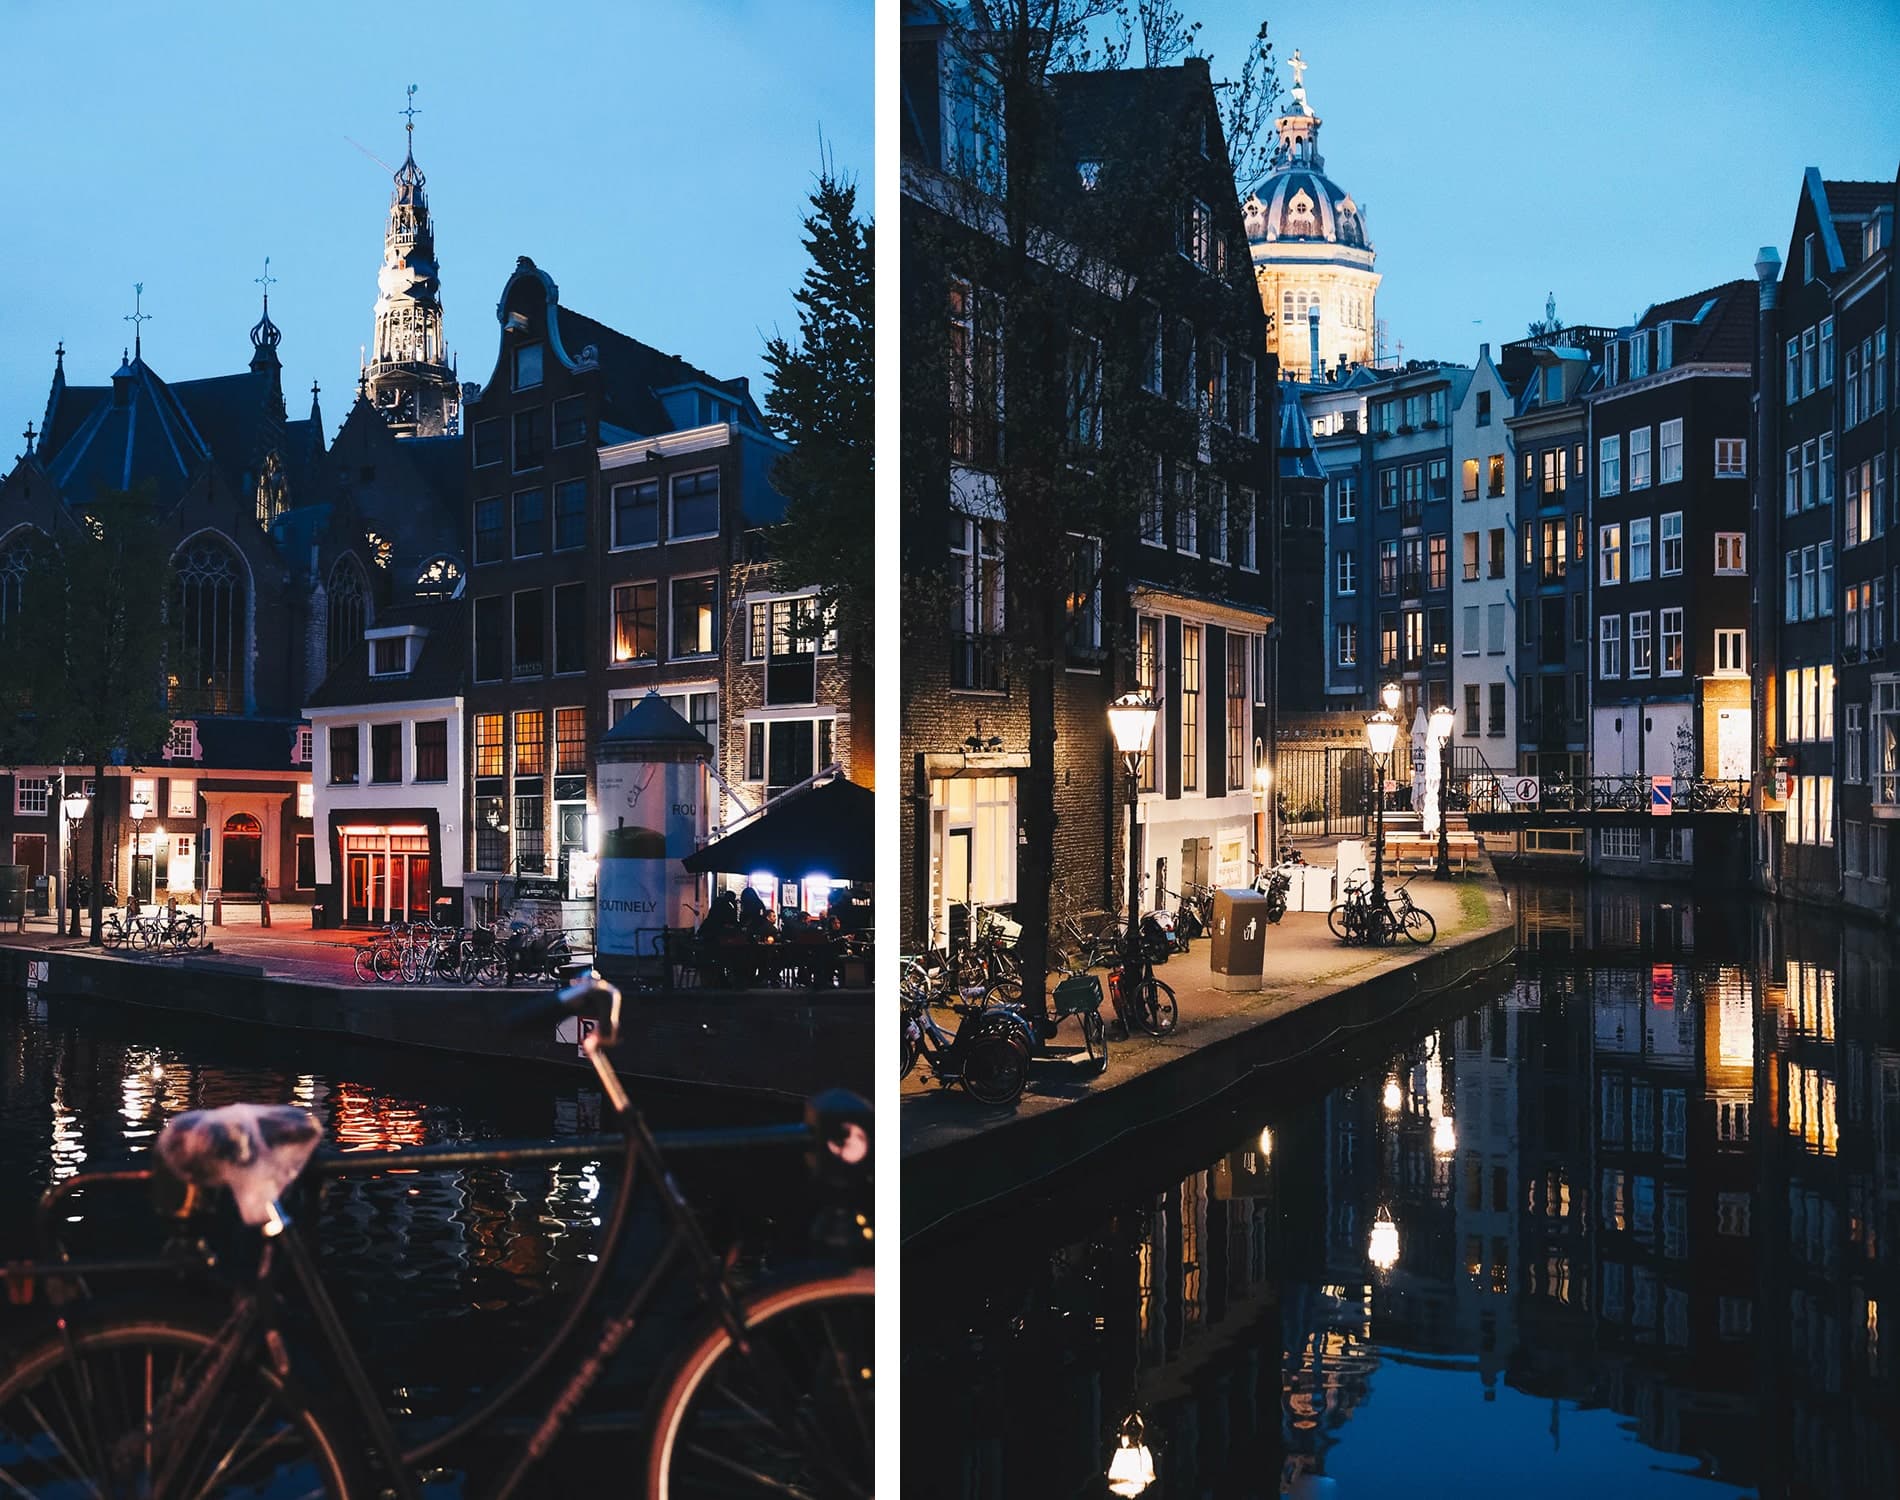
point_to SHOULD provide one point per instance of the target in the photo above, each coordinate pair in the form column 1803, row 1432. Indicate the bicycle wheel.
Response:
column 386, row 962
column 365, row 966
column 1095, row 1038
column 97, row 1411
column 1420, row 925
column 791, row 1417
column 1154, row 1004
column 1340, row 920
column 995, row 1067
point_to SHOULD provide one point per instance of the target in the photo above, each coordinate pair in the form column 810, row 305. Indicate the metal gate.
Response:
column 1325, row 791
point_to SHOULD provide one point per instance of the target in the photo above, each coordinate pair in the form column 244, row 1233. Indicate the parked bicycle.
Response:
column 1356, row 919
column 770, row 1391
column 989, row 1051
column 1140, row 1000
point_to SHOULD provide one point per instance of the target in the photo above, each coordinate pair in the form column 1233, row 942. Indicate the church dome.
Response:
column 1301, row 203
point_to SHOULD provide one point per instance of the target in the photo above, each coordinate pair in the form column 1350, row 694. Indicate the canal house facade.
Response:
column 1671, row 583
column 1829, row 699
column 1167, row 342
column 611, row 490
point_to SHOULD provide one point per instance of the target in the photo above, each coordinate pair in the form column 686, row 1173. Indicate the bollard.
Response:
column 217, row 912
column 263, row 911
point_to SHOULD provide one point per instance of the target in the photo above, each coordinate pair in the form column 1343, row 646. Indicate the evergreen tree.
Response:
column 81, row 669
column 821, row 403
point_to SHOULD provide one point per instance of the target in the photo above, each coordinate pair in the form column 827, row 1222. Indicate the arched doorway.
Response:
column 243, row 854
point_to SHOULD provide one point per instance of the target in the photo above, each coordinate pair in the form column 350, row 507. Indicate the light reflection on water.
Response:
column 1625, row 1216
column 445, row 1279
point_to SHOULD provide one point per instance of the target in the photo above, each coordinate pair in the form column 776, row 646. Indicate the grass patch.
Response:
column 1473, row 909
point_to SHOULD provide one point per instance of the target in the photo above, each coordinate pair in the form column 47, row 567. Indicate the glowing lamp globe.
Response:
column 1444, row 1136
column 1131, row 720
column 1132, row 1468
column 1382, row 732
column 1383, row 1249
column 1389, row 696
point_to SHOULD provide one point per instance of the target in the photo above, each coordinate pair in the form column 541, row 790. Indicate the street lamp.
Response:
column 73, row 804
column 1382, row 1248
column 1389, row 696
column 1441, row 732
column 1131, row 720
column 141, row 810
column 1382, row 732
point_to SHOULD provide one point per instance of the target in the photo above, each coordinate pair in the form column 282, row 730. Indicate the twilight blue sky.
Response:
column 1616, row 153
column 653, row 158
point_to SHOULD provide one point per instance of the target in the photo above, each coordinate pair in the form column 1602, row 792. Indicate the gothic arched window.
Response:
column 210, row 634
column 440, row 578
column 348, row 609
column 273, row 495
column 19, row 551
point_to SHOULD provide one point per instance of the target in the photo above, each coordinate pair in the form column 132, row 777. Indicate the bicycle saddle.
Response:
column 256, row 1150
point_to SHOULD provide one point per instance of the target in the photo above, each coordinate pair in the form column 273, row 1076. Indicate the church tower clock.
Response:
column 407, row 374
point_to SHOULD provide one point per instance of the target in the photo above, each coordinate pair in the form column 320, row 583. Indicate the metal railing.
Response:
column 1487, row 793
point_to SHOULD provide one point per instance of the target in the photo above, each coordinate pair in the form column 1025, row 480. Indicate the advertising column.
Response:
column 650, row 781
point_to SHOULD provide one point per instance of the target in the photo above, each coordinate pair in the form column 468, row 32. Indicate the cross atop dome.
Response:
column 1299, row 65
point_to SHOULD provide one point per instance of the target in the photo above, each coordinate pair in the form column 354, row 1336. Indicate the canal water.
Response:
column 447, row 1281
column 1621, row 1219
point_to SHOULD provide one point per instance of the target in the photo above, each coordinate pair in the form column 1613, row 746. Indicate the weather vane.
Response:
column 266, row 281
column 411, row 112
column 138, row 316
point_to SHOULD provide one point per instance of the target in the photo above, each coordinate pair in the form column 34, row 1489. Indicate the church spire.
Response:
column 1299, row 126
column 408, row 378
column 265, row 335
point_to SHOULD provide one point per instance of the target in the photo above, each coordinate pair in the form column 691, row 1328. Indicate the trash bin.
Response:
column 1238, row 950
column 39, row 895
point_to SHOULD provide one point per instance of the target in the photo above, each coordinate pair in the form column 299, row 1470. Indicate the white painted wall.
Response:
column 371, row 798
column 1469, row 441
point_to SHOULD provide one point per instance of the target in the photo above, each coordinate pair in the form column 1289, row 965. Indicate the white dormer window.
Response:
column 1665, row 347
column 182, row 742
column 1639, row 356
column 393, row 649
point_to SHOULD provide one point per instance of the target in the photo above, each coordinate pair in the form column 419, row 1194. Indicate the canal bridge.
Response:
column 1500, row 802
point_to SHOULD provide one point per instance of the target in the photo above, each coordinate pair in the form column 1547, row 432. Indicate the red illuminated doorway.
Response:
column 243, row 855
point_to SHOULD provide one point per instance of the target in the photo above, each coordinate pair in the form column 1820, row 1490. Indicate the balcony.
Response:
column 976, row 664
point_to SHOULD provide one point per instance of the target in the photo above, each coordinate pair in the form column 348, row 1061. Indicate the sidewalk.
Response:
column 1305, row 965
column 288, row 949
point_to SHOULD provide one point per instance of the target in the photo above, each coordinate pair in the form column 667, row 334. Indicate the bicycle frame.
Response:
column 253, row 1323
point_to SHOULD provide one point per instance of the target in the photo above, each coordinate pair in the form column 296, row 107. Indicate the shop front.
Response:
column 390, row 872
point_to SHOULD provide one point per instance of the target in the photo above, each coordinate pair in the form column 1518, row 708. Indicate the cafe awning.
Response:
column 823, row 830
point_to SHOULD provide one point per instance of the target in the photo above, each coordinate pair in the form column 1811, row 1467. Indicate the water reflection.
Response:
column 1625, row 1220
column 445, row 1279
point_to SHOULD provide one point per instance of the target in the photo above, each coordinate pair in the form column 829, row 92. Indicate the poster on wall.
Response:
column 652, row 816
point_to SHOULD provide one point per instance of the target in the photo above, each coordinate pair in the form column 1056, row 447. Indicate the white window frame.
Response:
column 1641, row 528
column 1645, row 667
column 1669, row 458
column 1731, row 653
column 1610, row 554
column 1346, row 572
column 1639, row 459
column 1346, row 498
column 32, row 796
column 1670, row 545
column 1609, row 647
column 1731, row 458
column 1610, row 465
column 1731, row 552
column 1667, row 617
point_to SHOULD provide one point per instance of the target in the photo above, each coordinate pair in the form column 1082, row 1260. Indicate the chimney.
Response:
column 1768, row 273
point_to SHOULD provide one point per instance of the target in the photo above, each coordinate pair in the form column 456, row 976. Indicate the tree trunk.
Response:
column 98, row 855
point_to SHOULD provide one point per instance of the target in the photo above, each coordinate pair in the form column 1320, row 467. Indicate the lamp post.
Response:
column 141, row 810
column 1267, row 837
column 1382, row 731
column 1131, row 721
column 1389, row 696
column 73, row 804
column 1441, row 731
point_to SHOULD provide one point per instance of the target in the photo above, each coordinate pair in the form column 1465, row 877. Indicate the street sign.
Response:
column 1523, row 789
column 1662, row 796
